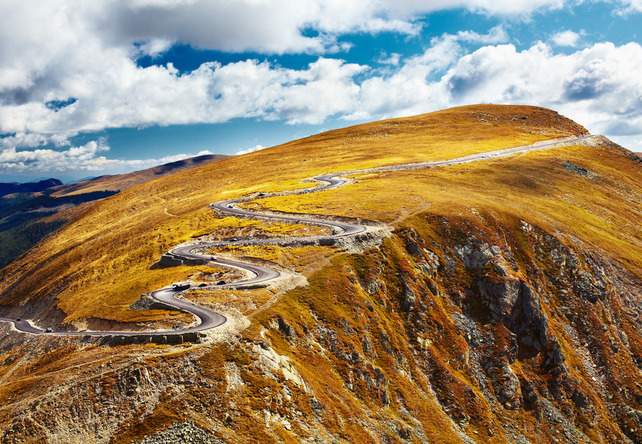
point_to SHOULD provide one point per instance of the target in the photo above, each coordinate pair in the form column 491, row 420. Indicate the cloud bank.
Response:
column 70, row 66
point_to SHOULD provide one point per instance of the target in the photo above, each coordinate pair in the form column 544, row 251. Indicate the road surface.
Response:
column 208, row 319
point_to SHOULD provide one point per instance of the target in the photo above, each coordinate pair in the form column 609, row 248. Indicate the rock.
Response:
column 412, row 247
column 186, row 432
column 506, row 386
column 499, row 295
column 385, row 343
column 529, row 321
column 286, row 329
column 580, row 171
column 474, row 256
column 368, row 350
column 591, row 287
column 403, row 432
column 580, row 399
column 554, row 355
column 316, row 406
column 529, row 394
column 408, row 299
column 271, row 363
column 429, row 264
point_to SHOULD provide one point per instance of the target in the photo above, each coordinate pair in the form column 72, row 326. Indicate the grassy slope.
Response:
column 122, row 182
column 103, row 258
column 420, row 365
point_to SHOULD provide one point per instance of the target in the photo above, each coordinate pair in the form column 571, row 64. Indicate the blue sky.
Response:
column 92, row 88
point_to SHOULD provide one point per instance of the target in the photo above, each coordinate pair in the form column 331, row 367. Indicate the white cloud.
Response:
column 390, row 59
column 630, row 6
column 249, row 150
column 61, row 50
column 82, row 56
column 598, row 86
column 84, row 159
column 495, row 35
column 80, row 157
column 566, row 38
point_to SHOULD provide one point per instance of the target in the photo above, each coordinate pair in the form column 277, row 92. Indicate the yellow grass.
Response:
column 102, row 258
column 101, row 263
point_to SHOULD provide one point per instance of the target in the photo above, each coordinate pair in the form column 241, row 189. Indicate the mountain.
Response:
column 496, row 296
column 30, row 187
column 41, row 208
column 122, row 182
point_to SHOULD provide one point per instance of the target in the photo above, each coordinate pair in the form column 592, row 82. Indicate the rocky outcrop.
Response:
column 171, row 260
column 186, row 433
column 146, row 338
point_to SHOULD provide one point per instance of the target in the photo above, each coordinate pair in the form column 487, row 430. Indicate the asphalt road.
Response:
column 209, row 319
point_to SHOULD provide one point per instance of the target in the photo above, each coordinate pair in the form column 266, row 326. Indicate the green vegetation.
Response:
column 25, row 219
column 15, row 241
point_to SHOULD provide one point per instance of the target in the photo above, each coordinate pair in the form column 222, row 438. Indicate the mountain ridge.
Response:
column 28, row 217
column 503, row 307
column 28, row 187
column 120, row 182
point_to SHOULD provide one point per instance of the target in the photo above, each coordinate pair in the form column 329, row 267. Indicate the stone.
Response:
column 507, row 387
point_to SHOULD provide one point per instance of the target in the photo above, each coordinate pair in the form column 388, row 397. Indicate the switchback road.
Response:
column 208, row 319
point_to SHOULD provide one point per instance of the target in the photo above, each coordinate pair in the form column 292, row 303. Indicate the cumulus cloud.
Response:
column 597, row 86
column 275, row 26
column 249, row 150
column 566, row 38
column 495, row 35
column 84, row 159
column 68, row 66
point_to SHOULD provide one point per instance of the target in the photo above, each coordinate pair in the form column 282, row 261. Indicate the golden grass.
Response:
column 534, row 186
column 102, row 259
column 102, row 264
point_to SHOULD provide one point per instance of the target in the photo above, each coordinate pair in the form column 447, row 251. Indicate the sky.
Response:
column 105, row 87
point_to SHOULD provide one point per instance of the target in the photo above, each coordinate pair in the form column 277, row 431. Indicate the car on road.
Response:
column 48, row 330
column 177, row 286
column 232, row 239
column 230, row 206
column 220, row 283
column 202, row 284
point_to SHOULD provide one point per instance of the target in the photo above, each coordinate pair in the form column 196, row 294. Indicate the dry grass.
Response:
column 103, row 257
column 101, row 263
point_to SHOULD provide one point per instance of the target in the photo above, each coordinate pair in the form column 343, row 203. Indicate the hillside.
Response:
column 30, row 187
column 41, row 208
column 503, row 306
column 121, row 182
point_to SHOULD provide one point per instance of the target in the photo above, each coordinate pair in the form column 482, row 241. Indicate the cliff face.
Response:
column 506, row 306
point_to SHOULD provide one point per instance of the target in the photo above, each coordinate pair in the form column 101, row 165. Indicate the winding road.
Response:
column 208, row 319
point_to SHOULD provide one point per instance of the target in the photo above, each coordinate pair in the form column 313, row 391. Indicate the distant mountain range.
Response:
column 31, row 187
column 31, row 211
column 122, row 182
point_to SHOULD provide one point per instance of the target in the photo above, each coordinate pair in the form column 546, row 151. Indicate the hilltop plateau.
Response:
column 493, row 299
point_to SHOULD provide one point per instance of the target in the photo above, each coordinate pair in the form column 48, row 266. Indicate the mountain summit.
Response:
column 469, row 275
